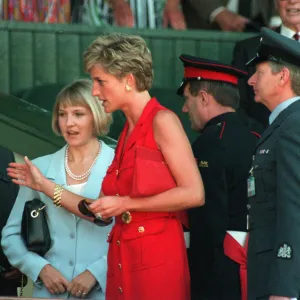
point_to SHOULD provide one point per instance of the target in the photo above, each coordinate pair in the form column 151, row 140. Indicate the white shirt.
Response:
column 287, row 31
column 76, row 189
column 280, row 107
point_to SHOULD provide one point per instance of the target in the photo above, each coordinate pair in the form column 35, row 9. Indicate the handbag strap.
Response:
column 22, row 285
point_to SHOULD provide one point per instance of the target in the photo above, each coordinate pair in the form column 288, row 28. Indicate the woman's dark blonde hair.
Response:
column 79, row 93
column 120, row 55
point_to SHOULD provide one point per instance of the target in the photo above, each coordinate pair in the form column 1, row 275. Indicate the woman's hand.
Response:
column 53, row 280
column 26, row 174
column 82, row 284
column 110, row 206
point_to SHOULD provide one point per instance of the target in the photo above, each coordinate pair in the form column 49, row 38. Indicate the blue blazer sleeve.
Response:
column 99, row 270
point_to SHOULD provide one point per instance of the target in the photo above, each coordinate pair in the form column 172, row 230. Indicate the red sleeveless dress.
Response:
column 146, row 258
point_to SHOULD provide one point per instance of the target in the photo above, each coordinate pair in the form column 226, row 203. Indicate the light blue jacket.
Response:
column 77, row 245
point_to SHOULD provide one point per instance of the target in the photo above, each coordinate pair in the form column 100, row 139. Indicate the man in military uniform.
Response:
column 9, row 277
column 224, row 153
column 274, row 184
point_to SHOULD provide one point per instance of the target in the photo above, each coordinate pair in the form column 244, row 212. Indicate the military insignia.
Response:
column 285, row 251
column 203, row 164
column 264, row 151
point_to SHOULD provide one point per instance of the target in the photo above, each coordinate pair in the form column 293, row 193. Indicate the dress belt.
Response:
column 136, row 216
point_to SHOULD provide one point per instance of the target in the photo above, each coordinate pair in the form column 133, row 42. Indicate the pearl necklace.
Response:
column 84, row 175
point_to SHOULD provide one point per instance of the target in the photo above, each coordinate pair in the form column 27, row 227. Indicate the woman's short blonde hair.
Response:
column 79, row 93
column 120, row 55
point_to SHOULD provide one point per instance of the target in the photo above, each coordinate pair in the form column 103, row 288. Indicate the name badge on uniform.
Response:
column 251, row 185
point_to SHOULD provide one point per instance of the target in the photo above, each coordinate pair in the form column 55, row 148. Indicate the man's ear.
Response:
column 204, row 97
column 285, row 76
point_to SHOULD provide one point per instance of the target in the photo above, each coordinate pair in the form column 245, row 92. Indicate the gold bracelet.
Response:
column 57, row 195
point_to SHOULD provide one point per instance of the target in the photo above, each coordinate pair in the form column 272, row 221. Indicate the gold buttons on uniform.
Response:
column 120, row 266
column 117, row 195
column 118, row 242
column 120, row 290
column 141, row 229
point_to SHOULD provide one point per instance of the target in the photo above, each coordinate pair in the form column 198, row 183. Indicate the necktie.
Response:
column 296, row 36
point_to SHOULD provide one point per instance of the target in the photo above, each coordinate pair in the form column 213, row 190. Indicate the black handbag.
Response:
column 35, row 230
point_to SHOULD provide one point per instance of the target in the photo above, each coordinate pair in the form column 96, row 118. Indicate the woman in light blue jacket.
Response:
column 75, row 265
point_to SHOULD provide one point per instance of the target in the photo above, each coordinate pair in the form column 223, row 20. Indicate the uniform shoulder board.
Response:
column 222, row 126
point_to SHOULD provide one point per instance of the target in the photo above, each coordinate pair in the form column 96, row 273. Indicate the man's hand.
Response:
column 229, row 21
column 53, row 280
column 82, row 284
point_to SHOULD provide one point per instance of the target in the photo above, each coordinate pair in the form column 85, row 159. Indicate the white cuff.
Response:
column 216, row 12
column 275, row 21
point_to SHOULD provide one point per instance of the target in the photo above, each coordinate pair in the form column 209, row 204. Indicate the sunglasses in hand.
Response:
column 83, row 207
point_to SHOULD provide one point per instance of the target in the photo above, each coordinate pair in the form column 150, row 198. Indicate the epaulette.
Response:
column 222, row 126
column 215, row 129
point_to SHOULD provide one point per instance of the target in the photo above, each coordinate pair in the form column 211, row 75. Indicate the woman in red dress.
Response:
column 147, row 256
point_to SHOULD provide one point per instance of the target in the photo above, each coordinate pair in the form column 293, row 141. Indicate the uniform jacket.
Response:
column 77, row 245
column 197, row 12
column 274, row 244
column 224, row 153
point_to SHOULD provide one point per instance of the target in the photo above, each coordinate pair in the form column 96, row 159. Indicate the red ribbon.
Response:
column 237, row 253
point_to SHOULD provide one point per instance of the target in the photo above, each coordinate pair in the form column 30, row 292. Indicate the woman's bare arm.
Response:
column 177, row 152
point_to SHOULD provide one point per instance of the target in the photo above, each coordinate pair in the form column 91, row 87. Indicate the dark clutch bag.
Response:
column 35, row 230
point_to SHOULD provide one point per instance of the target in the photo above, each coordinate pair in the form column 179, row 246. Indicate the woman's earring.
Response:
column 128, row 88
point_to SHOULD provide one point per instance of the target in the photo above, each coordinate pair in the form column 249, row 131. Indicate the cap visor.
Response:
column 254, row 61
column 180, row 90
